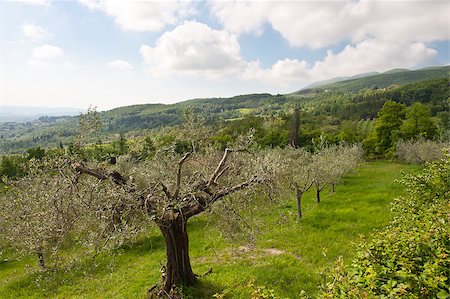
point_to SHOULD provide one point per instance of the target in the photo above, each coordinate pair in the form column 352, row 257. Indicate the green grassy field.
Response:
column 287, row 255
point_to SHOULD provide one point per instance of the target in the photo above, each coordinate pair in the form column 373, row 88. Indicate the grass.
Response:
column 287, row 255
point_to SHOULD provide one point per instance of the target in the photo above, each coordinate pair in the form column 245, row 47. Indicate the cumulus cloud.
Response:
column 372, row 55
column 34, row 32
column 143, row 15
column 366, row 56
column 316, row 25
column 196, row 49
column 282, row 73
column 120, row 65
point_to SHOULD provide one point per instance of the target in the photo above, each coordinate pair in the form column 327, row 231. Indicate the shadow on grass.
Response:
column 202, row 289
column 143, row 246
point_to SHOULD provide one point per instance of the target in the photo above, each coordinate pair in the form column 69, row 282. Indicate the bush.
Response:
column 411, row 257
column 420, row 151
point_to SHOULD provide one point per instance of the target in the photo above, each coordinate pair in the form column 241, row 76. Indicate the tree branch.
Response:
column 221, row 173
column 203, row 203
column 233, row 189
column 101, row 174
column 180, row 165
column 164, row 189
column 215, row 175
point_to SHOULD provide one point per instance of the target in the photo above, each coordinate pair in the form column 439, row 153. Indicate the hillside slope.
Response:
column 393, row 77
column 344, row 100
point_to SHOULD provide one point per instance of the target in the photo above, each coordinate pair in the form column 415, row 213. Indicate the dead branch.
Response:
column 101, row 174
column 180, row 165
column 212, row 180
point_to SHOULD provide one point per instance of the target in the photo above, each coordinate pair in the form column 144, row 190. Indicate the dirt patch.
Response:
column 273, row 251
column 245, row 252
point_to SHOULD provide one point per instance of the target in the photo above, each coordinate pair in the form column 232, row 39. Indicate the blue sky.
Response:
column 111, row 53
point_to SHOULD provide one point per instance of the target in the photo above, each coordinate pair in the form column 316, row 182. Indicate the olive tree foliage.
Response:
column 420, row 151
column 295, row 171
column 89, row 125
column 331, row 162
column 42, row 212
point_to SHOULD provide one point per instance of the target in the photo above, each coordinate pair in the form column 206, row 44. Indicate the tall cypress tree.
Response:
column 294, row 136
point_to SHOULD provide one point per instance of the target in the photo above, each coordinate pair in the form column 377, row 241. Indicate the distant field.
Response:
column 287, row 255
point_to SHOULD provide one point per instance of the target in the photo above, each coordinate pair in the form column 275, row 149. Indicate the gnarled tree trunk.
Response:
column 178, row 269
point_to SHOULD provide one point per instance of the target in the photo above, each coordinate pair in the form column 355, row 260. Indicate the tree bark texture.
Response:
column 178, row 269
column 299, row 204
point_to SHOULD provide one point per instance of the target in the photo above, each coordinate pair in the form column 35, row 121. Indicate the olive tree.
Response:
column 346, row 159
column 35, row 215
column 295, row 170
column 420, row 151
column 331, row 162
column 41, row 212
column 172, row 188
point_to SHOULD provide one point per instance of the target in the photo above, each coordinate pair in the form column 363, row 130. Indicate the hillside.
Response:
column 346, row 100
column 379, row 81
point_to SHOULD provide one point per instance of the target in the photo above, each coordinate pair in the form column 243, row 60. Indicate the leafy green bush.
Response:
column 411, row 257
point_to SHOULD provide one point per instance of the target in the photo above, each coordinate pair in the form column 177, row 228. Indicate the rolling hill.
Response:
column 379, row 81
column 353, row 99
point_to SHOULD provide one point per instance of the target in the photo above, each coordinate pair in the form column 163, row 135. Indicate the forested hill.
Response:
column 378, row 81
column 339, row 104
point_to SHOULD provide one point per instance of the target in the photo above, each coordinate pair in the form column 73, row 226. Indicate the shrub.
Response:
column 420, row 151
column 411, row 257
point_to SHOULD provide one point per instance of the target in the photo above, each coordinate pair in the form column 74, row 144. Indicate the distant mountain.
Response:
column 377, row 81
column 339, row 79
column 23, row 113
column 393, row 71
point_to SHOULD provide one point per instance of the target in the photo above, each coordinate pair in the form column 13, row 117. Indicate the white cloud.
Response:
column 282, row 73
column 372, row 55
column 34, row 32
column 143, row 15
column 319, row 24
column 120, row 65
column 366, row 56
column 47, row 52
column 45, row 55
column 196, row 49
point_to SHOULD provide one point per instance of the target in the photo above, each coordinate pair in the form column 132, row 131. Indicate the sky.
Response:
column 111, row 53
